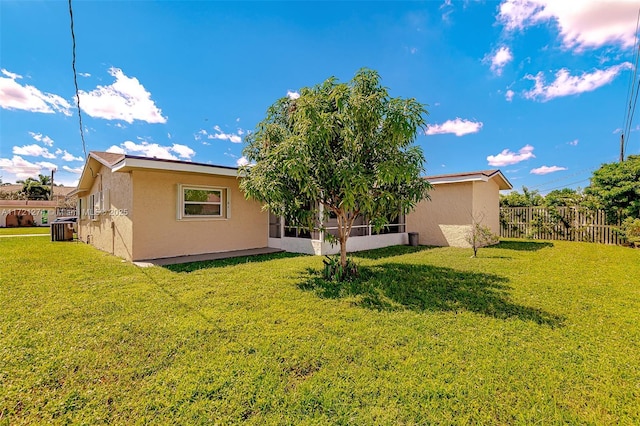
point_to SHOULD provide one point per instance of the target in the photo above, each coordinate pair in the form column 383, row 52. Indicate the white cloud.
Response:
column 499, row 59
column 40, row 138
column 242, row 161
column 11, row 75
column 566, row 84
column 23, row 168
column 459, row 127
column 581, row 24
column 66, row 156
column 28, row 98
column 219, row 134
column 573, row 142
column 126, row 99
column 33, row 151
column 545, row 170
column 153, row 150
column 77, row 170
column 84, row 74
column 115, row 149
column 183, row 151
column 292, row 95
column 509, row 95
column 507, row 157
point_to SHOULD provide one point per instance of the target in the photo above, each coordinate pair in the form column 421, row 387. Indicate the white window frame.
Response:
column 225, row 203
column 91, row 207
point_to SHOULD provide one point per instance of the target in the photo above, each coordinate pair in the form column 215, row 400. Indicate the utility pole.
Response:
column 51, row 196
column 621, row 147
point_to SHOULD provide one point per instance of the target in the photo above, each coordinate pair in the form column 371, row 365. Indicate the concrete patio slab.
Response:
column 208, row 256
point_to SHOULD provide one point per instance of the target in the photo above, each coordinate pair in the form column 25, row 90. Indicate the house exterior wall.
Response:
column 159, row 233
column 486, row 204
column 112, row 230
column 446, row 219
column 35, row 208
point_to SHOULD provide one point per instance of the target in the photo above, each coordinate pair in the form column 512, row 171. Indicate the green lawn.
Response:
column 529, row 332
column 23, row 231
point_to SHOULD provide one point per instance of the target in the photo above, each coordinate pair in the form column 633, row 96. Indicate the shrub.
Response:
column 630, row 230
column 481, row 236
column 334, row 271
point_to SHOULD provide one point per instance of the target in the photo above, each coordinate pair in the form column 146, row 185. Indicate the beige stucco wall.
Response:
column 486, row 204
column 444, row 220
column 158, row 233
column 112, row 230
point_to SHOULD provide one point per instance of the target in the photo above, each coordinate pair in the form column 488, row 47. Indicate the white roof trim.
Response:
column 139, row 163
column 459, row 179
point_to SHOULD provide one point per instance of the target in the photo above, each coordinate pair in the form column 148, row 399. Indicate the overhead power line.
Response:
column 75, row 80
column 632, row 97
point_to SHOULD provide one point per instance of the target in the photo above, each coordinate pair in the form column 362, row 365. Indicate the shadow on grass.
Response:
column 521, row 245
column 388, row 252
column 395, row 286
column 206, row 264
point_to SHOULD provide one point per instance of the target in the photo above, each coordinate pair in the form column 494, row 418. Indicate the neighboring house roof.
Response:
column 26, row 203
column 125, row 163
column 482, row 175
column 58, row 191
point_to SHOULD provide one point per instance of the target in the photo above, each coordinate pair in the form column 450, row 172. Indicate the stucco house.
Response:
column 142, row 208
column 457, row 201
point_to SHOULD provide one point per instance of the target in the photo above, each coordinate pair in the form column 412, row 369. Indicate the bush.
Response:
column 333, row 270
column 481, row 236
column 630, row 230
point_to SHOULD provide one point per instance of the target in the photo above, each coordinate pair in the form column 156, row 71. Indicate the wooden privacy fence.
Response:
column 558, row 223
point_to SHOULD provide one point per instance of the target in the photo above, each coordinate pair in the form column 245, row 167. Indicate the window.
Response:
column 98, row 203
column 92, row 207
column 203, row 202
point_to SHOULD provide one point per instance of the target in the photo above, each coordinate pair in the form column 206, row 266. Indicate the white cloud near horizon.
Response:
column 566, row 84
column 42, row 138
column 242, row 161
column 77, row 170
column 153, row 150
column 126, row 99
column 292, row 94
column 545, row 170
column 506, row 157
column 581, row 24
column 24, row 169
column 13, row 95
column 499, row 59
column 458, row 127
column 33, row 151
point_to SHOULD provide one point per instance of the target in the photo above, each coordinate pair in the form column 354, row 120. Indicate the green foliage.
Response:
column 565, row 197
column 335, row 271
column 481, row 236
column 36, row 189
column 528, row 198
column 533, row 332
column 347, row 147
column 630, row 230
column 615, row 187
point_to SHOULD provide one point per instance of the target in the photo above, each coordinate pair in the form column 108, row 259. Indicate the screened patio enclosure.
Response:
column 284, row 236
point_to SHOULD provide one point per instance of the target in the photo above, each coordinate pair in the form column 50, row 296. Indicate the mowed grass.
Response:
column 529, row 332
column 23, row 231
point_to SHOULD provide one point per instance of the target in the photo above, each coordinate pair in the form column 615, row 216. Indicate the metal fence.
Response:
column 558, row 223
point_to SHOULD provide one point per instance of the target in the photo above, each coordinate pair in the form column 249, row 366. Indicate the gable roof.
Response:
column 478, row 176
column 123, row 163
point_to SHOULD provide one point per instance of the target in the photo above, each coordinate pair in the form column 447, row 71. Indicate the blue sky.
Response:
column 536, row 88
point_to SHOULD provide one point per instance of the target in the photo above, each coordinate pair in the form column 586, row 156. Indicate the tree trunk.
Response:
column 343, row 250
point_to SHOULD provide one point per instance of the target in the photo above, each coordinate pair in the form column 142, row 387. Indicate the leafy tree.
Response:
column 341, row 149
column 565, row 197
column 36, row 189
column 615, row 187
column 528, row 198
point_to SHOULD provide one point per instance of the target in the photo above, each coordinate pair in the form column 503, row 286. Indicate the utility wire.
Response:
column 629, row 112
column 75, row 81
